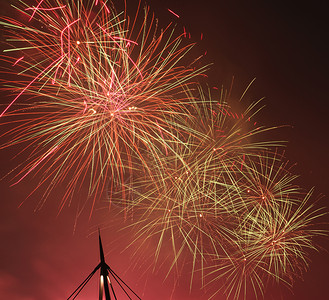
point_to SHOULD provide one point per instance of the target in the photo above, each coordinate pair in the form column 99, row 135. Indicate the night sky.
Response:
column 284, row 46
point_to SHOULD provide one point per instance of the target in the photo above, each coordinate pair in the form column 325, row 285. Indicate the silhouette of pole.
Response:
column 104, row 278
column 105, row 284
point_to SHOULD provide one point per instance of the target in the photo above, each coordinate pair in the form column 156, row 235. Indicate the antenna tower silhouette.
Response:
column 107, row 276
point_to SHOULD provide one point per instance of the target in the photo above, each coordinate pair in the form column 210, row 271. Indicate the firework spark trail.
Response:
column 99, row 96
column 274, row 233
column 193, row 199
column 35, row 165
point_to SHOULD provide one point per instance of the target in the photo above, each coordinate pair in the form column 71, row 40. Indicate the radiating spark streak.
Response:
column 106, row 8
column 124, row 39
column 35, row 165
column 122, row 50
column 62, row 33
column 69, row 49
column 35, row 10
column 176, row 15
column 18, row 60
column 23, row 91
column 45, row 9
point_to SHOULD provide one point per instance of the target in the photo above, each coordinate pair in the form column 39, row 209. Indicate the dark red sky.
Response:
column 284, row 47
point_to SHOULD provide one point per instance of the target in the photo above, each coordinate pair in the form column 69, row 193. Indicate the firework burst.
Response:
column 193, row 199
column 102, row 90
column 273, row 235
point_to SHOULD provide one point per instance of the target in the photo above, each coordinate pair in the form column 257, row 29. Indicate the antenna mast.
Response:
column 107, row 275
